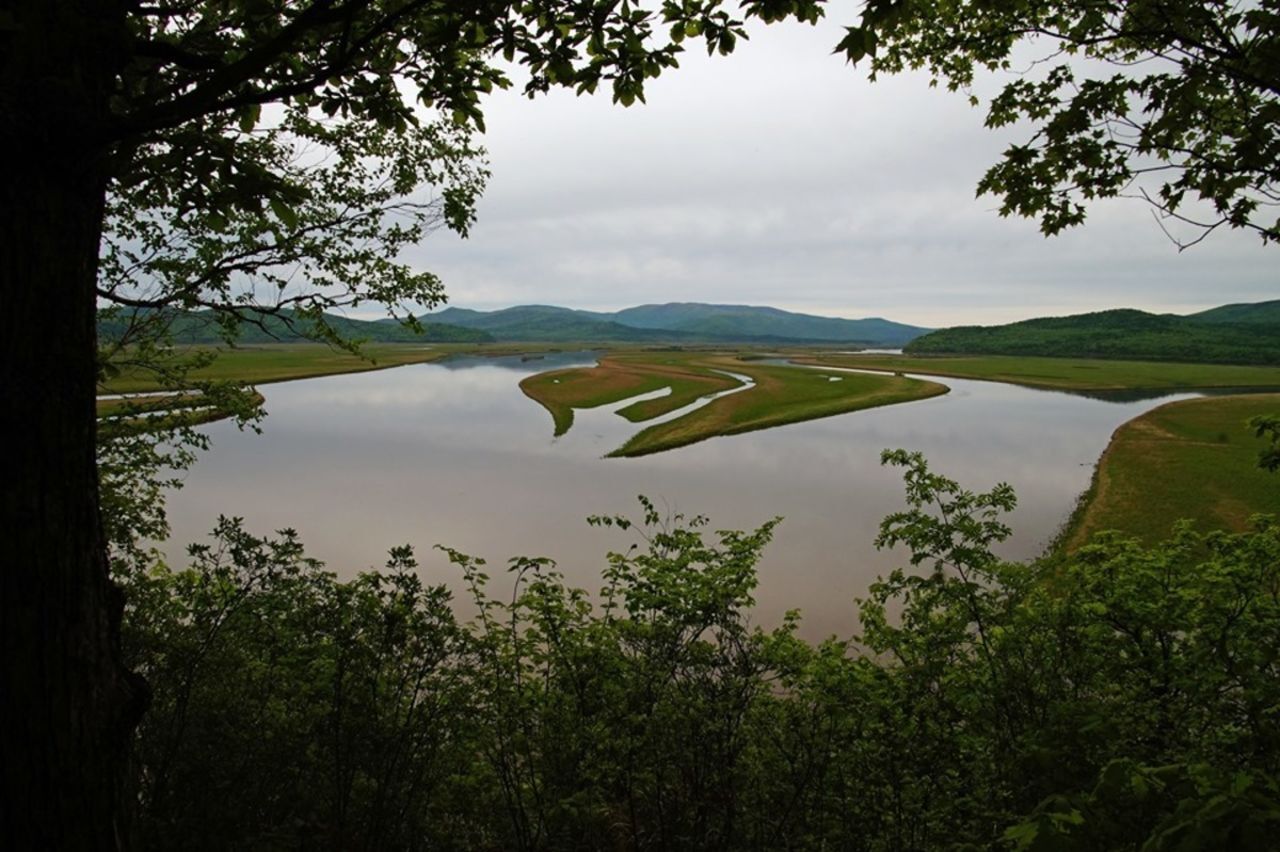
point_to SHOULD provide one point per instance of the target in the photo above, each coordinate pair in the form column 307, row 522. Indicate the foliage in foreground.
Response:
column 1267, row 428
column 1172, row 101
column 1126, row 699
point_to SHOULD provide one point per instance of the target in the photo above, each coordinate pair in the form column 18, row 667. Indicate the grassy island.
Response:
column 778, row 395
column 619, row 377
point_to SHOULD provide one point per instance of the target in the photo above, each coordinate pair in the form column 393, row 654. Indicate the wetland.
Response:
column 455, row 452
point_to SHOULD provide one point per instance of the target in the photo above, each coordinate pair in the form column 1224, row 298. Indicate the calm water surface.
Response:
column 455, row 454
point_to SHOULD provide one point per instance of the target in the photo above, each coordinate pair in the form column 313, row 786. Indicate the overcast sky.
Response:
column 781, row 176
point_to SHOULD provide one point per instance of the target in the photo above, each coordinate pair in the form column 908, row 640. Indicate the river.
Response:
column 453, row 453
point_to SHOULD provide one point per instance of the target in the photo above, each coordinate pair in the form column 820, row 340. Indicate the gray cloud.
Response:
column 780, row 176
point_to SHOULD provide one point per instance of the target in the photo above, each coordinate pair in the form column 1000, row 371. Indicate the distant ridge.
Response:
column 1255, row 313
column 549, row 324
column 692, row 322
column 1230, row 334
column 201, row 327
column 679, row 323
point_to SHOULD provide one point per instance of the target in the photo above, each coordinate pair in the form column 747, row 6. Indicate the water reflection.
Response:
column 1138, row 395
column 456, row 454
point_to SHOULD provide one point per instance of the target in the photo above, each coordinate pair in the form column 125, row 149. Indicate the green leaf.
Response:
column 249, row 117
column 284, row 213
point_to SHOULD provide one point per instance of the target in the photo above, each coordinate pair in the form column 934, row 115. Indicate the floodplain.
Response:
column 455, row 452
column 1193, row 459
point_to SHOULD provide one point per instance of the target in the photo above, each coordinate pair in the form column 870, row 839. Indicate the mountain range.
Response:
column 1230, row 334
column 1236, row 333
column 678, row 322
column 690, row 323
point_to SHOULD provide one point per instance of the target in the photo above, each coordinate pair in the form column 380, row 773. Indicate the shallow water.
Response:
column 455, row 454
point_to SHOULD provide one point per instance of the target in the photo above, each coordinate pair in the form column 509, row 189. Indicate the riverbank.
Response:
column 1073, row 374
column 129, row 415
column 140, row 392
column 1194, row 459
column 282, row 362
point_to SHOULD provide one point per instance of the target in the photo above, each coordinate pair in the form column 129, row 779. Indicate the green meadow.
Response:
column 1193, row 459
column 780, row 395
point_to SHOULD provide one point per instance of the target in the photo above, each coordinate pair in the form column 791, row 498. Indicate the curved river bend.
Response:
column 456, row 454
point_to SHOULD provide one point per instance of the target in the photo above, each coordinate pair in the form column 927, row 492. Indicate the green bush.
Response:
column 1125, row 698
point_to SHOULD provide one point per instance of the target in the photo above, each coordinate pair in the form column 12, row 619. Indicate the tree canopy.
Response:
column 1174, row 101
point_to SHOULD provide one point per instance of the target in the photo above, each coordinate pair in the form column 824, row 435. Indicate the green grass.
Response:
column 1063, row 373
column 780, row 395
column 691, row 377
column 561, row 391
column 620, row 377
column 1192, row 459
column 119, row 417
column 281, row 362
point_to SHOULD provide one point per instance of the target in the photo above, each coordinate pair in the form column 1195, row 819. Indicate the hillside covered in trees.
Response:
column 286, row 326
column 1231, row 334
column 679, row 322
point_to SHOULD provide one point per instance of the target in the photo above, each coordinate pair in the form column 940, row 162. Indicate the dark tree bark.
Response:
column 69, row 705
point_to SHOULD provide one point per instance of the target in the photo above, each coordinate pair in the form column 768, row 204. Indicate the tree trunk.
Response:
column 69, row 705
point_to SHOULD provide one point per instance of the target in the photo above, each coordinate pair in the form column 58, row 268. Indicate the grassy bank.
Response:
column 1061, row 373
column 1191, row 459
column 252, row 365
column 119, row 417
column 778, row 396
column 619, row 377
column 246, row 365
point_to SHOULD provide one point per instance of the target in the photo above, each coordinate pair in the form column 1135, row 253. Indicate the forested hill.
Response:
column 196, row 327
column 550, row 324
column 1256, row 313
column 692, row 322
column 1231, row 334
